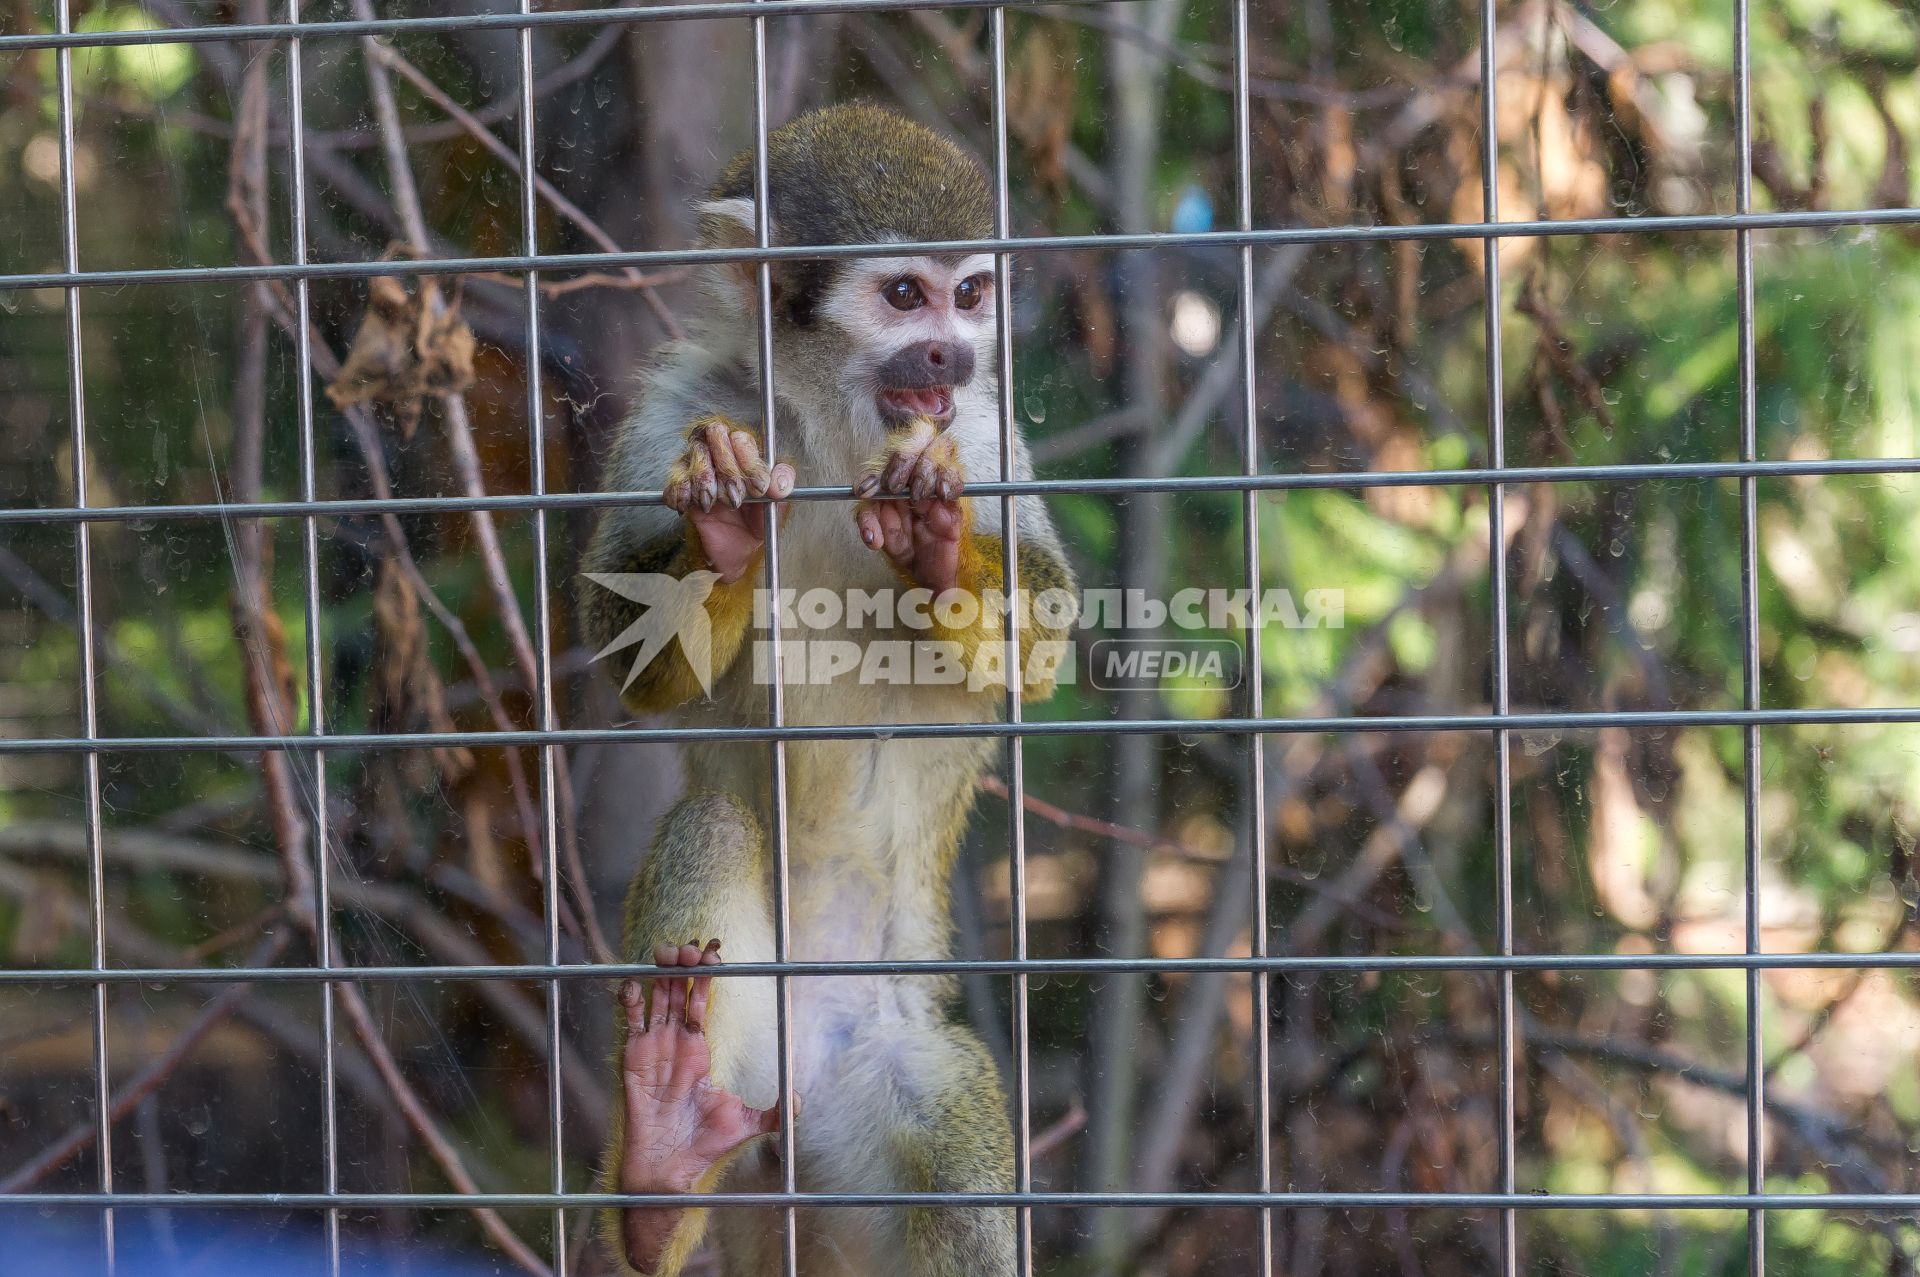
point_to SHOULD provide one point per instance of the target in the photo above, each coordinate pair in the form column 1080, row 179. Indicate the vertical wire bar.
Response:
column 316, row 703
column 1016, row 671
column 776, row 695
column 1750, row 626
column 543, row 650
column 1252, row 664
column 83, row 588
column 1509, row 1247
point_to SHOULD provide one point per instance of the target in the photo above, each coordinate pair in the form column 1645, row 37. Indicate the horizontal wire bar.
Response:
column 1309, row 964
column 1876, row 1203
column 1636, row 472
column 702, row 10
column 1570, row 721
column 1275, row 237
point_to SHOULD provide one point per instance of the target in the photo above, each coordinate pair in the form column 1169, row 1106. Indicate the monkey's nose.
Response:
column 930, row 363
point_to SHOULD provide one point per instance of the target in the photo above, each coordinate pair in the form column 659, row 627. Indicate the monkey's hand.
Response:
column 925, row 533
column 680, row 1126
column 712, row 485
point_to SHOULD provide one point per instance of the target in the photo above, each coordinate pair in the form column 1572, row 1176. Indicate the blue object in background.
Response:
column 204, row 1243
column 1194, row 213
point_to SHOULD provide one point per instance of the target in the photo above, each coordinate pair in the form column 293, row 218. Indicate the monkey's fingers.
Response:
column 633, row 1002
column 940, row 520
column 892, row 469
column 896, row 523
column 898, row 475
column 676, row 492
column 660, row 992
column 747, row 460
column 693, row 473
column 676, row 1001
column 867, row 519
column 873, row 476
column 767, row 1121
column 886, row 525
column 780, row 484
column 938, row 473
column 730, row 480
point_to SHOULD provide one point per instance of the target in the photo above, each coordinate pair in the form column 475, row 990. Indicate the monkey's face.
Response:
column 910, row 331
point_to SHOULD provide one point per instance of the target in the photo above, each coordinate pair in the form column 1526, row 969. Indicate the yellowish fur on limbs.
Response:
column 982, row 574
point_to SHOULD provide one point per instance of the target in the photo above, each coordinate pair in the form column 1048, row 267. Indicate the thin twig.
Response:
column 81, row 1135
column 147, row 850
column 294, row 1032
column 386, row 56
column 568, row 73
column 1085, row 824
column 1055, row 1136
column 326, row 365
column 590, row 279
column 428, row 1130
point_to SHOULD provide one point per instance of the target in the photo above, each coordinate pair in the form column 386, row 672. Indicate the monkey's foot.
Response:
column 921, row 534
column 679, row 1124
column 713, row 485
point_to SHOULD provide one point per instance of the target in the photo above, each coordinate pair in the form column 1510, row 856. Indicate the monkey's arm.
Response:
column 1039, row 568
column 933, row 538
column 711, row 520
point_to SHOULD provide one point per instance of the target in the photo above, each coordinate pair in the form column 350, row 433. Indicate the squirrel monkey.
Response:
column 885, row 374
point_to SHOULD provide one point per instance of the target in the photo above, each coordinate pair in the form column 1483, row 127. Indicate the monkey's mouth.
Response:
column 898, row 406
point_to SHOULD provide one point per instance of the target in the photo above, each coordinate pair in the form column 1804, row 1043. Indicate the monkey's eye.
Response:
column 968, row 292
column 904, row 294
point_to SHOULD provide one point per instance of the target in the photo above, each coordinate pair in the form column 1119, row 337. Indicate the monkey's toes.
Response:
column 687, row 1000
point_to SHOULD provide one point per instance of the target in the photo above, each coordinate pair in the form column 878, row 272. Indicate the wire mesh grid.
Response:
column 1503, row 722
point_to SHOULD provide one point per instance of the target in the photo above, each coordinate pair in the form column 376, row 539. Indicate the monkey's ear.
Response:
column 726, row 223
column 729, row 223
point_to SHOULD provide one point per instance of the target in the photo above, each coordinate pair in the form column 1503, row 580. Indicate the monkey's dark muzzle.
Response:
column 919, row 380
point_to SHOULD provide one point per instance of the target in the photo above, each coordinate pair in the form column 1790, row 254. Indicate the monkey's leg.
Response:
column 957, row 1141
column 689, row 1045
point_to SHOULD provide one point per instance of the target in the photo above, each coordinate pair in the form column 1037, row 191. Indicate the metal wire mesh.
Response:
column 1502, row 722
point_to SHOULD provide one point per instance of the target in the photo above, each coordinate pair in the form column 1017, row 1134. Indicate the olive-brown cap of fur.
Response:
column 861, row 174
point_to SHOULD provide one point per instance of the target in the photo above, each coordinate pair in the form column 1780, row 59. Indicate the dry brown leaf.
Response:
column 1099, row 327
column 406, row 689
column 1042, row 88
column 410, row 346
